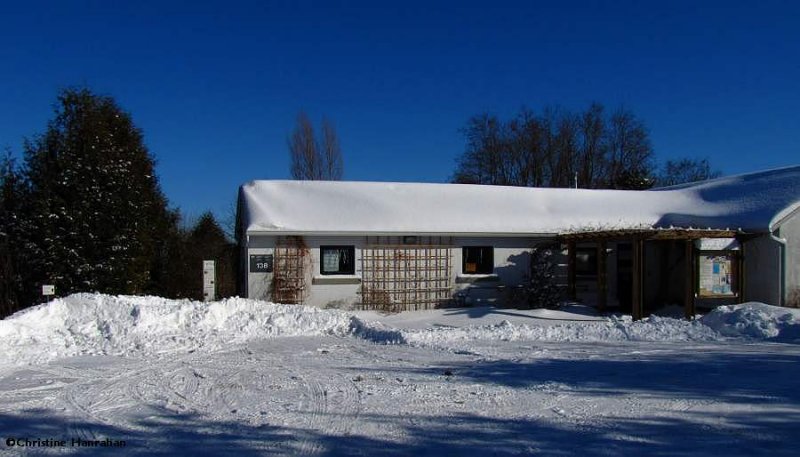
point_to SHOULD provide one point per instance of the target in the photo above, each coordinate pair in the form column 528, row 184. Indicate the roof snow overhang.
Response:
column 749, row 203
column 653, row 234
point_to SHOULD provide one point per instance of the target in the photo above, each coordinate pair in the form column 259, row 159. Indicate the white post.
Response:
column 209, row 280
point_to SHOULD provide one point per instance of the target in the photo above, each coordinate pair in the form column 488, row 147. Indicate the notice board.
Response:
column 716, row 274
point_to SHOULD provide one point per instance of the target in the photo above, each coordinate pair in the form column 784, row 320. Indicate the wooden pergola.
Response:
column 637, row 238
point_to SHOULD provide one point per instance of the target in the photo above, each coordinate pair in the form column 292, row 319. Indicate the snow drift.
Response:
column 124, row 325
column 756, row 320
column 127, row 325
column 611, row 329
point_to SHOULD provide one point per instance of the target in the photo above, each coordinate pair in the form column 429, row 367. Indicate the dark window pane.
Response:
column 586, row 262
column 477, row 260
column 337, row 260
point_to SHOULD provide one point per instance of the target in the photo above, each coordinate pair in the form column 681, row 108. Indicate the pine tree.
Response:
column 543, row 290
column 186, row 251
column 95, row 202
column 207, row 241
column 12, row 273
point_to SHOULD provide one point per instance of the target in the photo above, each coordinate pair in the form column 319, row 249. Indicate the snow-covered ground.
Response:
column 252, row 378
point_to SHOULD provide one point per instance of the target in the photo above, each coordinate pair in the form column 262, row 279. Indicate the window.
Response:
column 586, row 262
column 337, row 260
column 478, row 260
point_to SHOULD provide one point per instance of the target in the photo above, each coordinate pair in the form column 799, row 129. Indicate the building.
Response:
column 398, row 246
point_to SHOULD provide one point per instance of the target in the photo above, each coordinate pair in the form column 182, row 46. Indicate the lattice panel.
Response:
column 290, row 268
column 404, row 278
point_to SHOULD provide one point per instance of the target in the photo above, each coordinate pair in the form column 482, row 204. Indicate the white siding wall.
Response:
column 322, row 292
column 511, row 262
column 790, row 231
column 762, row 259
column 511, row 269
column 258, row 283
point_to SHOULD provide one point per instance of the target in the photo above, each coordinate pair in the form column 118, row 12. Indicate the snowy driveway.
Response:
column 241, row 377
column 347, row 396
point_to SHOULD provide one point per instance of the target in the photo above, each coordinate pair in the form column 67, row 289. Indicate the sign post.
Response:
column 48, row 290
column 209, row 280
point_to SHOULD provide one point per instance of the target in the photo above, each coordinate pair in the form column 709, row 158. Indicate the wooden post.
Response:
column 688, row 301
column 637, row 310
column 740, row 273
column 602, row 284
column 571, row 270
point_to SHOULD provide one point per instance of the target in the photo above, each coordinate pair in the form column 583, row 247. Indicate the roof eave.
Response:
column 257, row 232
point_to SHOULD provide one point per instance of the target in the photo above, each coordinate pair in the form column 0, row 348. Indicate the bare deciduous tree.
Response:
column 313, row 158
column 686, row 170
column 630, row 153
column 556, row 147
column 331, row 152
column 592, row 147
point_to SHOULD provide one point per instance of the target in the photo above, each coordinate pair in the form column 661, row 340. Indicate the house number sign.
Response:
column 261, row 263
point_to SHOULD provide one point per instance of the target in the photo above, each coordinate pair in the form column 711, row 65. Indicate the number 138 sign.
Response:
column 261, row 263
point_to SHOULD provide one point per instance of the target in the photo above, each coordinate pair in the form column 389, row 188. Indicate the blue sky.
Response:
column 216, row 86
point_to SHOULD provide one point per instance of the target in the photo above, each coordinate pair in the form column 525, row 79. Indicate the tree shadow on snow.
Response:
column 475, row 435
column 748, row 404
column 479, row 312
column 420, row 435
column 760, row 417
column 173, row 434
column 738, row 377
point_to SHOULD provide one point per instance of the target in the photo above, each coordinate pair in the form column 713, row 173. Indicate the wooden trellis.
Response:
column 290, row 267
column 403, row 277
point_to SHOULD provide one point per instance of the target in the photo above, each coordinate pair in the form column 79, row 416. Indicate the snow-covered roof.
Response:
column 753, row 202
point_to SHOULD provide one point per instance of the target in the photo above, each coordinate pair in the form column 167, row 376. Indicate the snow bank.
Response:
column 123, row 325
column 126, row 325
column 756, row 320
column 612, row 329
column 753, row 320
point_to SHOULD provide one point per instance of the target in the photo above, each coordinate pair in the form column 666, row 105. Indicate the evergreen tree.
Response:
column 12, row 273
column 168, row 268
column 207, row 241
column 99, row 214
column 187, row 249
column 543, row 290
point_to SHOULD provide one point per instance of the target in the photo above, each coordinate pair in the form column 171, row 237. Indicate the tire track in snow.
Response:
column 94, row 404
column 332, row 406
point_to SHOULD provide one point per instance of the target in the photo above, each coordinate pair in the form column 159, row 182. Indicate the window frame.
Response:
column 479, row 269
column 351, row 251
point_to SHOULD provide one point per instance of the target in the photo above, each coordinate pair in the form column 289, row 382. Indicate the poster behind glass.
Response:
column 715, row 274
